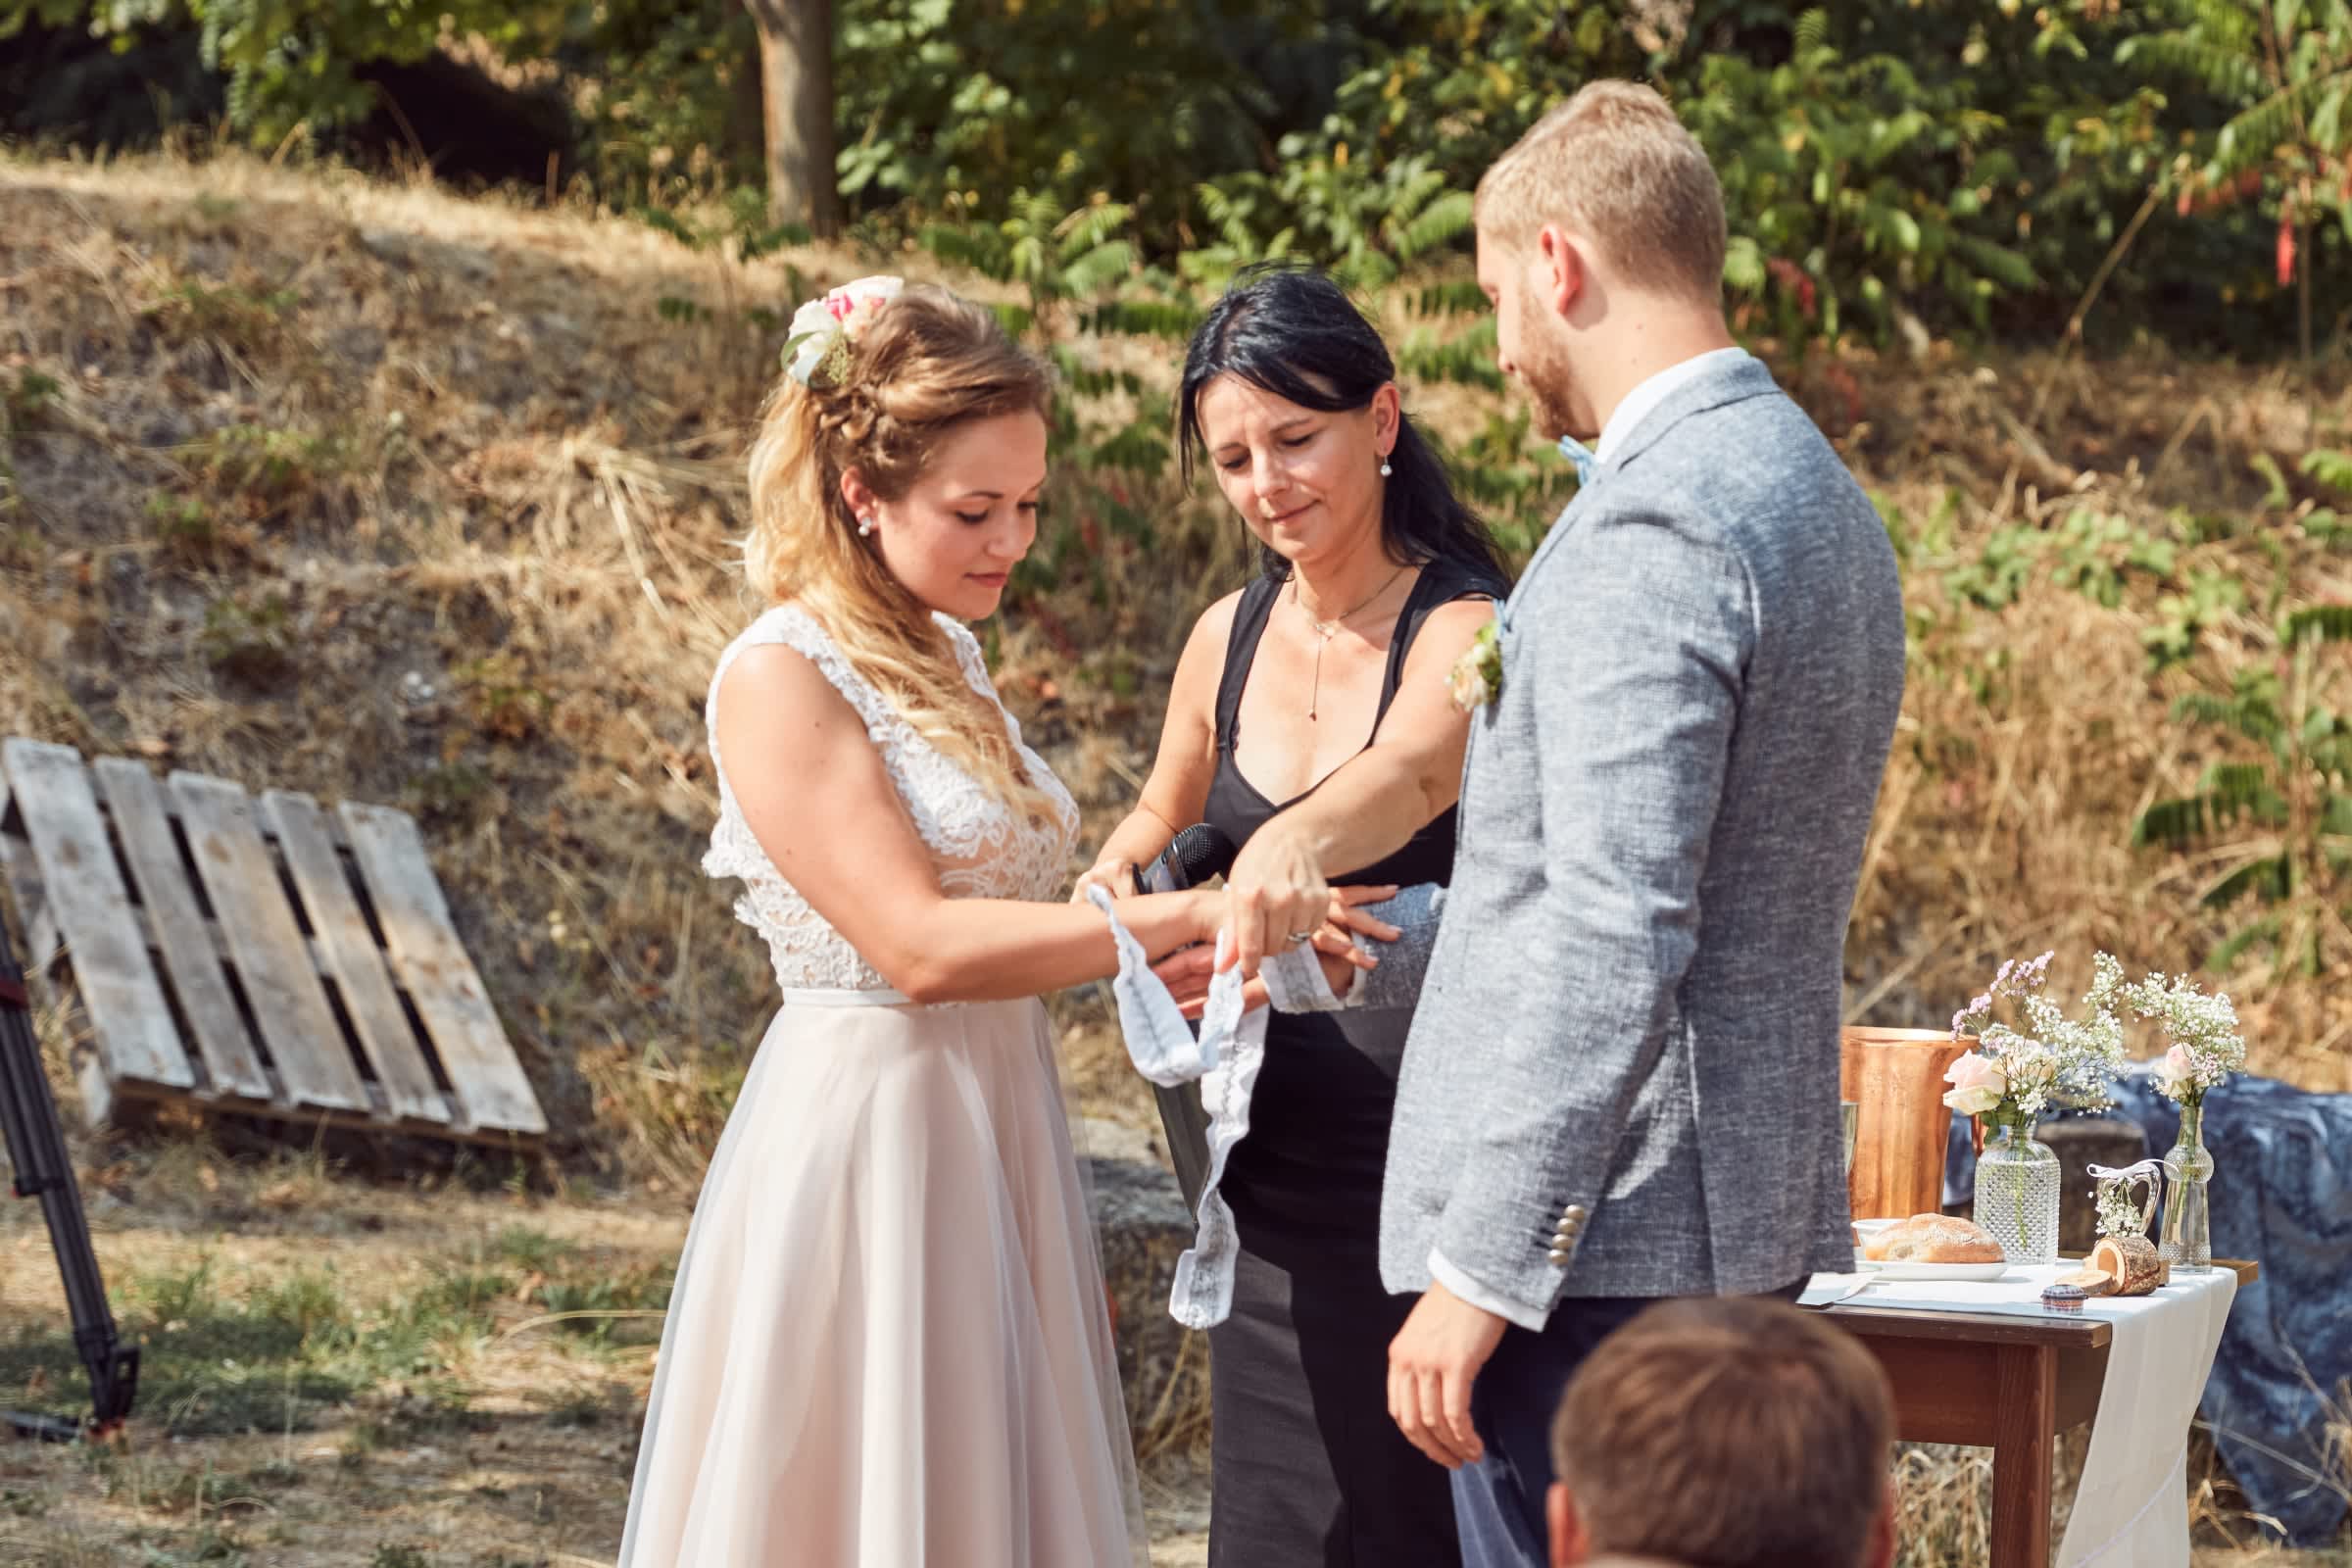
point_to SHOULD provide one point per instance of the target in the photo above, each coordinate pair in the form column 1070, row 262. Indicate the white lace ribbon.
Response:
column 1226, row 1058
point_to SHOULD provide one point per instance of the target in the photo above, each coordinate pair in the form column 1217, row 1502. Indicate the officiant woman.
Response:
column 1375, row 578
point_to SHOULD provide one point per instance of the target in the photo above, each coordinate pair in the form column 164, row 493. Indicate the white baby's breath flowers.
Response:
column 2206, row 1046
column 2066, row 1060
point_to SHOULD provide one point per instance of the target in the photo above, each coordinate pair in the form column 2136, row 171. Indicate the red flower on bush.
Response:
column 1793, row 280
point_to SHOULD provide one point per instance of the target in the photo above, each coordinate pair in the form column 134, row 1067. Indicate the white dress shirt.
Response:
column 1639, row 404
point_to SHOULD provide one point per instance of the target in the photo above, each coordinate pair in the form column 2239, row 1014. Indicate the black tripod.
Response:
column 37, row 1149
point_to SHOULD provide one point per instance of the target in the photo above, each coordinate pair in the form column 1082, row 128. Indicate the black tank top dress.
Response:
column 1308, row 1471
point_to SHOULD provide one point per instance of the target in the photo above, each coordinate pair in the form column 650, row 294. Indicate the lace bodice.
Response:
column 982, row 846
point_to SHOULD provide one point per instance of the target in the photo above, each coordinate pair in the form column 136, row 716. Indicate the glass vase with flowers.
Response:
column 2013, row 1075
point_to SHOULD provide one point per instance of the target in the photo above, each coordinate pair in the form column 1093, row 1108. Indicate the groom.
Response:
column 1622, row 1080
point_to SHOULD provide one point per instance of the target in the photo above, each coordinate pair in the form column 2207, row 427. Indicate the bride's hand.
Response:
column 1113, row 876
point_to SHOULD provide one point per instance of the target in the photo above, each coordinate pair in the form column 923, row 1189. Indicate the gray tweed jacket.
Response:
column 1622, row 1078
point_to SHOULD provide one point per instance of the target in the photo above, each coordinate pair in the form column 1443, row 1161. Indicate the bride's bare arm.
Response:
column 816, row 795
column 1177, row 792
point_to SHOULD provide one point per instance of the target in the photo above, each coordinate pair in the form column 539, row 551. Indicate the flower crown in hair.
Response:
column 823, row 330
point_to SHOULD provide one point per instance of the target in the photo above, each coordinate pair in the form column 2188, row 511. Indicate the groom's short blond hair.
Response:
column 1613, row 164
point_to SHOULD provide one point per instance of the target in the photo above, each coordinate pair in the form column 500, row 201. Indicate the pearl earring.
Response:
column 1385, row 469
column 865, row 526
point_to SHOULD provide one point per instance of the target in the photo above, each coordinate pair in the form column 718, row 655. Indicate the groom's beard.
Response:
column 1553, row 419
column 1550, row 386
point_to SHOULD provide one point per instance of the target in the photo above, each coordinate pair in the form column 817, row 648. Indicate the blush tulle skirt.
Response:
column 888, row 1346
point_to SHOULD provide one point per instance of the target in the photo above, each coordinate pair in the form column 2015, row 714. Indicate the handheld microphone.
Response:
column 1191, row 859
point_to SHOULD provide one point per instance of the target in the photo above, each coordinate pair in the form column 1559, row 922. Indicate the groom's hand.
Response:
column 1432, row 1363
column 1187, row 975
column 1274, row 893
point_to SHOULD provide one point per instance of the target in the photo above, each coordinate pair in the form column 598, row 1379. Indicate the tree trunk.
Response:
column 747, row 123
column 796, row 77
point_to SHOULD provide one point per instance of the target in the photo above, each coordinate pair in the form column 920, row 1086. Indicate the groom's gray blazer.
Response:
column 1622, row 1079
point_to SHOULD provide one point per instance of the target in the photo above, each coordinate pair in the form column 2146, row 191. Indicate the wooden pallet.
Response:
column 260, row 956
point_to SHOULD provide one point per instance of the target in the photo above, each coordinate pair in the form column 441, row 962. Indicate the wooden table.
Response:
column 2004, row 1382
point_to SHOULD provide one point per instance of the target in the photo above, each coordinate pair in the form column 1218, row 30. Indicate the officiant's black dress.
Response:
column 1310, row 1472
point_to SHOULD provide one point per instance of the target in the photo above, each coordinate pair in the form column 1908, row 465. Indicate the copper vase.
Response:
column 1896, row 1077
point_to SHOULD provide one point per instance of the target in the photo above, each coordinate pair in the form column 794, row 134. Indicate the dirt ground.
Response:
column 354, row 1369
column 424, row 1402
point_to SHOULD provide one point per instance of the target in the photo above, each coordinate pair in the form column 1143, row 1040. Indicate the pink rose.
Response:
column 2179, row 1069
column 1978, row 1084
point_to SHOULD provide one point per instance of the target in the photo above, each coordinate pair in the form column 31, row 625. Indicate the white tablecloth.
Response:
column 2132, row 1508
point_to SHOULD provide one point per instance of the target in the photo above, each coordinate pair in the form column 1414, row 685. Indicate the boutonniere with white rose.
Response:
column 1476, row 676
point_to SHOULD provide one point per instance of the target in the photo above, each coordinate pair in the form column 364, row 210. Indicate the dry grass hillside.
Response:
column 371, row 492
column 323, row 484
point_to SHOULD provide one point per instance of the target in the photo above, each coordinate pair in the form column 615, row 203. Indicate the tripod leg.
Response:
column 36, row 1149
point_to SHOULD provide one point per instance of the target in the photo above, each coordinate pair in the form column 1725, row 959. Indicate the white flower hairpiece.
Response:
column 822, row 330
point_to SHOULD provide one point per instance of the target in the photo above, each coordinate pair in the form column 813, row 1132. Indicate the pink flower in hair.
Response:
column 823, row 328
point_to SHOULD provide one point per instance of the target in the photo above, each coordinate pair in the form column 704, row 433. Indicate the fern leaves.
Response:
column 2329, row 623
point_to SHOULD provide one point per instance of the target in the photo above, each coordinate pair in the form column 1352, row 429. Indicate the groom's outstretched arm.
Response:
column 1634, row 635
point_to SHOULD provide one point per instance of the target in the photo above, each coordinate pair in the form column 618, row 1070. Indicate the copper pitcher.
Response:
column 1896, row 1077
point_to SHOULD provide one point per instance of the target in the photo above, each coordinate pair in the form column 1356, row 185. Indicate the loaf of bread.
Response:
column 1934, row 1239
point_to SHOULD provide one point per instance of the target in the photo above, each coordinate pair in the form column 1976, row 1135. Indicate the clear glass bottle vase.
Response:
column 2187, row 1240
column 2017, row 1190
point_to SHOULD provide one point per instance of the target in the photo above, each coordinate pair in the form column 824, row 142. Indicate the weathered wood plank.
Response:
column 136, row 1035
column 138, row 1099
column 176, row 925
column 344, row 942
column 41, row 947
column 38, row 942
column 273, row 962
column 431, row 962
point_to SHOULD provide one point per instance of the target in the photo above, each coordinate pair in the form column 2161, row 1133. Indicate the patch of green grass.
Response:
column 278, row 1473
column 501, row 698
column 437, row 1406
column 526, row 1247
column 211, row 1543
column 231, row 317
column 609, row 1302
column 24, row 397
column 271, row 467
column 253, row 641
column 201, row 1492
column 359, row 1442
column 287, row 1354
column 182, row 524
column 463, row 1293
column 389, row 1555
column 450, row 791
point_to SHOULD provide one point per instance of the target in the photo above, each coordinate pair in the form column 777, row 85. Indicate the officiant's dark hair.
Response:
column 1292, row 331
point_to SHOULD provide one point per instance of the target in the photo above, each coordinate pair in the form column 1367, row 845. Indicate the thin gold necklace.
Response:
column 1326, row 630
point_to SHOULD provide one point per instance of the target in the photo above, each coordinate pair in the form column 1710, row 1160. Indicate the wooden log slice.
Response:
column 2134, row 1263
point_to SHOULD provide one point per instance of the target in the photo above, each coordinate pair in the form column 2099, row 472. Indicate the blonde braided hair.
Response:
column 926, row 362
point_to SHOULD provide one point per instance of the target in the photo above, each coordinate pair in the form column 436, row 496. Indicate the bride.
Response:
column 888, row 1346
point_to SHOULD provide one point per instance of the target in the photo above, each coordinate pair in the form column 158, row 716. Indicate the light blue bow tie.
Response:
column 1580, row 455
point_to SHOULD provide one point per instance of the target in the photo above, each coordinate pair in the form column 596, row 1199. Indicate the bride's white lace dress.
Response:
column 888, row 1346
